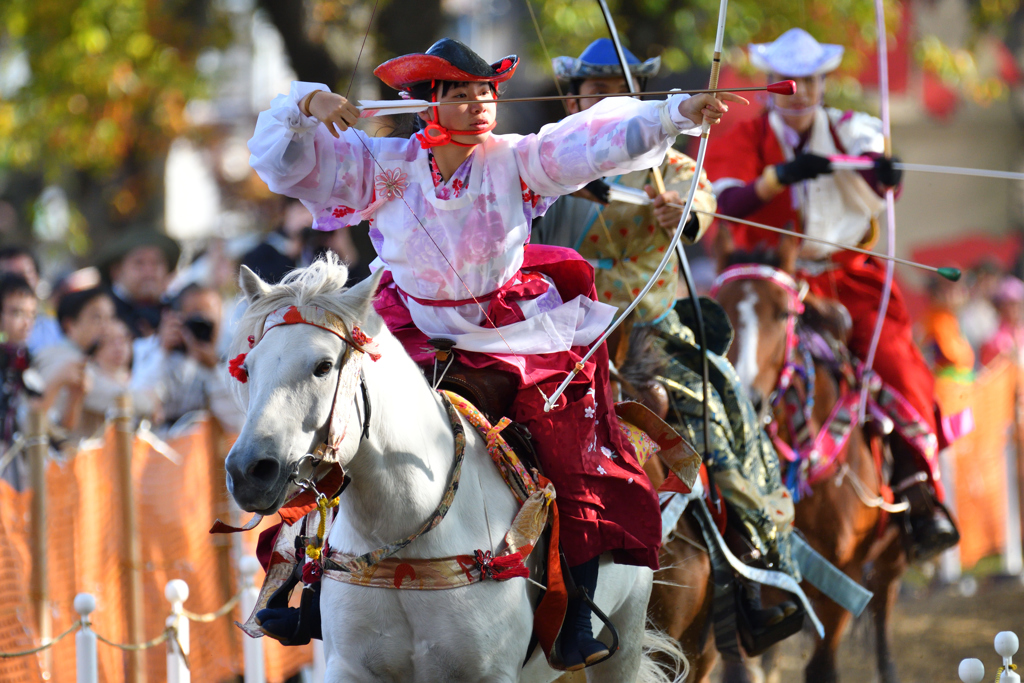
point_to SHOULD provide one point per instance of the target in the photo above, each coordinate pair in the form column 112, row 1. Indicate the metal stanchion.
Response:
column 125, row 436
column 86, row 668
column 252, row 648
column 37, row 451
column 176, row 593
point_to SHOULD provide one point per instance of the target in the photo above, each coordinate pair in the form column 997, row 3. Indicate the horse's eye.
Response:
column 322, row 368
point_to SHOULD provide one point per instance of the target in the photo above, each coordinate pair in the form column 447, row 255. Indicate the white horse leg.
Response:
column 622, row 593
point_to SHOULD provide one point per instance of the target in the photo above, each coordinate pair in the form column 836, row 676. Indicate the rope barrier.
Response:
column 168, row 633
column 135, row 647
column 23, row 653
column 213, row 616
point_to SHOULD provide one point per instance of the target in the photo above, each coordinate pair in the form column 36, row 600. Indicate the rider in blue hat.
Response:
column 625, row 243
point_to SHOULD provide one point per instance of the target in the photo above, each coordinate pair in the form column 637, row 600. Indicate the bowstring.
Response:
column 547, row 55
column 476, row 301
column 483, row 311
column 359, row 55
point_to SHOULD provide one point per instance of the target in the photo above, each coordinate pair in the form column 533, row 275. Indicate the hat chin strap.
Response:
column 435, row 135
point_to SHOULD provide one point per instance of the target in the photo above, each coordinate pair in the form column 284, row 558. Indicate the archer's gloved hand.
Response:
column 887, row 173
column 802, row 167
column 692, row 231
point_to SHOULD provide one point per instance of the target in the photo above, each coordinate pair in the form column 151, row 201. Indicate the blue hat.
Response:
column 796, row 53
column 600, row 61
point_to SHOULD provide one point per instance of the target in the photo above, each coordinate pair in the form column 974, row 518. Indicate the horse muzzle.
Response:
column 258, row 482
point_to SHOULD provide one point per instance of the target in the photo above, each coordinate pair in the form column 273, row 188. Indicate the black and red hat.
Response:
column 445, row 60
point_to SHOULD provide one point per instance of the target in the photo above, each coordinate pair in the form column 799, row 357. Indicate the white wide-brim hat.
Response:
column 796, row 53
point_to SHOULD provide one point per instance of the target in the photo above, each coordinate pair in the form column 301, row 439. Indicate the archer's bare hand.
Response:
column 333, row 110
column 708, row 107
column 666, row 215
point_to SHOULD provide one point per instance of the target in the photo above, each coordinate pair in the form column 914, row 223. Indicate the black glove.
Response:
column 887, row 173
column 691, row 231
column 802, row 167
column 293, row 625
column 599, row 189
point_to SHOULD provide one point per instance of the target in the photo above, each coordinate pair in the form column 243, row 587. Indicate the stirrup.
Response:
column 757, row 637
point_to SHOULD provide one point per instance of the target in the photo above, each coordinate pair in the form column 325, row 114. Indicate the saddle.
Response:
column 491, row 391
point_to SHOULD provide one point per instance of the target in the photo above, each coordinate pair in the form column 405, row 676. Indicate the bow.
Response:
column 684, row 263
column 890, row 203
column 716, row 66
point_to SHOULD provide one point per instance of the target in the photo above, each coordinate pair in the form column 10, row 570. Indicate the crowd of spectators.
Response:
column 973, row 322
column 137, row 321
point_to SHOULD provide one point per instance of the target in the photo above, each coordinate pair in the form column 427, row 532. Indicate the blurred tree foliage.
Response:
column 683, row 32
column 103, row 95
column 108, row 80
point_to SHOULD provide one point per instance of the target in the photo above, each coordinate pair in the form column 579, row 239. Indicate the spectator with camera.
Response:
column 182, row 364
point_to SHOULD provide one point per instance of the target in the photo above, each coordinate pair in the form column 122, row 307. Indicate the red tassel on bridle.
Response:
column 236, row 369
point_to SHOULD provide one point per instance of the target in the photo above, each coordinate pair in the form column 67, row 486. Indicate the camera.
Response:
column 201, row 328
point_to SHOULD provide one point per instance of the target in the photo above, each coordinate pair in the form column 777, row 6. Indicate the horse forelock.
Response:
column 321, row 284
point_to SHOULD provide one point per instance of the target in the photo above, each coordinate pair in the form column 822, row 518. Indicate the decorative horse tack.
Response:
column 379, row 569
column 351, row 372
column 817, row 455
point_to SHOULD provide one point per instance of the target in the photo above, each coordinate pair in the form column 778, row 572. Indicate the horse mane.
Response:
column 322, row 283
column 645, row 360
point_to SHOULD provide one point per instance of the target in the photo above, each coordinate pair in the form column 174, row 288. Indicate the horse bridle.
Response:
column 795, row 307
column 350, row 379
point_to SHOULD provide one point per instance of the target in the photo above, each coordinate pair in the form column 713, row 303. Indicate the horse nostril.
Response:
column 264, row 470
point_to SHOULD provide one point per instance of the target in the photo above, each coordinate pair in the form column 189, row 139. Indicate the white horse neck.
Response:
column 402, row 470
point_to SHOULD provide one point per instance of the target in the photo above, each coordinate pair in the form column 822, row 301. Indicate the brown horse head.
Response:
column 762, row 301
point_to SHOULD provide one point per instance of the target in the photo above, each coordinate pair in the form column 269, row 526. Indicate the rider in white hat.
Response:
column 775, row 169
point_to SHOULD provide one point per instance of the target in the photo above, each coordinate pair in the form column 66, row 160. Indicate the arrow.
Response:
column 630, row 195
column 842, row 162
column 390, row 107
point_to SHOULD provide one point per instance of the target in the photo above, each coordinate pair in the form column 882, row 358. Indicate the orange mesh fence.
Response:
column 175, row 504
column 979, row 458
column 17, row 626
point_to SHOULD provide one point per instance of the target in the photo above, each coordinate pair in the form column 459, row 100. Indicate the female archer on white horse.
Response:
column 450, row 212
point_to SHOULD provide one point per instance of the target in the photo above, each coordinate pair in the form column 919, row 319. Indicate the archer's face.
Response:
column 809, row 92
column 476, row 112
column 592, row 91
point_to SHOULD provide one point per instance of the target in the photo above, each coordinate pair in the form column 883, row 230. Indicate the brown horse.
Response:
column 840, row 518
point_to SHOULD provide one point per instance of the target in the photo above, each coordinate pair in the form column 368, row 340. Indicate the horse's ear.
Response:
column 789, row 249
column 362, row 294
column 252, row 286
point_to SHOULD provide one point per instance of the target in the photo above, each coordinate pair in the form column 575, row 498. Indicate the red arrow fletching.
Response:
column 782, row 88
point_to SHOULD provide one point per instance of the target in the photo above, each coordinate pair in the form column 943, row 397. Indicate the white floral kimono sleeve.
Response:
column 296, row 157
column 617, row 135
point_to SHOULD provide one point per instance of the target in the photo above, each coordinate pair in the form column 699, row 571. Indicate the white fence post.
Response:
column 176, row 592
column 252, row 648
column 1013, row 555
column 86, row 668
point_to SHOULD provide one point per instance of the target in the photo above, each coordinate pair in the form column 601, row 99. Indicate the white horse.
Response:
column 399, row 473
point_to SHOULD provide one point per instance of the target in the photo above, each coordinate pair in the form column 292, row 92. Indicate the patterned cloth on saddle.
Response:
column 742, row 460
